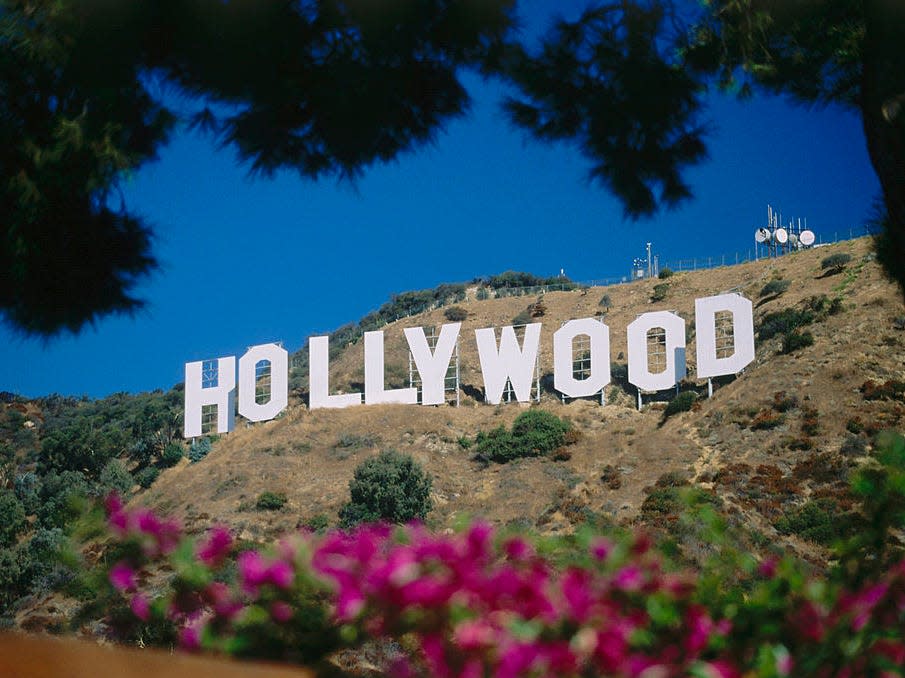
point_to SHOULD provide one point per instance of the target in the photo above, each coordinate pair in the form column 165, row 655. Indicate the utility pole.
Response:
column 649, row 270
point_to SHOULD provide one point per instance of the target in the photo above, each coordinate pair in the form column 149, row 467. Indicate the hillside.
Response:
column 772, row 450
column 764, row 454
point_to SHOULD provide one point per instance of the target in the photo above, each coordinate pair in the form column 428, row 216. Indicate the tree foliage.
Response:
column 286, row 84
column 390, row 487
column 330, row 87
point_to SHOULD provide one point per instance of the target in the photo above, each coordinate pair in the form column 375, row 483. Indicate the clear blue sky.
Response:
column 251, row 260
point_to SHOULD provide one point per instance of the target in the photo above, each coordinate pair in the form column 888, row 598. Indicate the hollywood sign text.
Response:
column 501, row 361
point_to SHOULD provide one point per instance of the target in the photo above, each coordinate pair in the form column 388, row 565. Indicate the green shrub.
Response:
column 356, row 442
column 792, row 341
column 318, row 523
column 605, row 302
column 482, row 294
column 199, row 449
column 665, row 273
column 270, row 501
column 12, row 518
column 523, row 318
column 173, row 453
column 835, row 263
column 534, row 433
column 681, row 403
column 116, row 478
column 818, row 521
column 455, row 314
column 28, row 491
column 62, row 498
column 494, row 445
column 10, row 578
column 537, row 432
column 146, row 477
column 390, row 487
column 782, row 322
column 659, row 293
column 774, row 288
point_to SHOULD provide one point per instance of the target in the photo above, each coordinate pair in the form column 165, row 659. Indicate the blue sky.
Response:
column 250, row 260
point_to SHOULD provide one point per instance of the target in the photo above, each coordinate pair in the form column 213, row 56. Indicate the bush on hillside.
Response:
column 270, row 501
column 455, row 314
column 835, row 263
column 28, row 491
column 659, row 293
column 792, row 341
column 537, row 432
column 174, row 452
column 774, row 288
column 482, row 294
column 115, row 478
column 606, row 302
column 390, row 487
column 62, row 498
column 12, row 518
column 199, row 449
column 534, row 433
column 681, row 403
column 146, row 477
column 665, row 273
column 783, row 322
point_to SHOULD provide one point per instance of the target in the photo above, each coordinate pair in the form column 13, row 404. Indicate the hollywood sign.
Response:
column 501, row 362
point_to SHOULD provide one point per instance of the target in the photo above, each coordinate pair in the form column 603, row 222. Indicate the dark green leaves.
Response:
column 605, row 83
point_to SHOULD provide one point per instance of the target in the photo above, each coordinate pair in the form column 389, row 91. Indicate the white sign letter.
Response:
column 639, row 372
column 432, row 367
column 705, row 310
column 222, row 394
column 279, row 382
column 375, row 392
column 509, row 362
column 319, row 378
column 563, row 376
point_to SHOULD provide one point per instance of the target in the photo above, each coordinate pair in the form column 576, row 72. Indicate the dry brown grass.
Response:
column 299, row 453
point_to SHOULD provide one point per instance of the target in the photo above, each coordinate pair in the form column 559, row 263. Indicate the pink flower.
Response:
column 280, row 611
column 576, row 589
column 518, row 549
column 218, row 596
column 629, row 578
column 113, row 503
column 280, row 574
column 214, row 549
column 720, row 669
column 767, row 568
column 122, row 577
column 349, row 603
column 252, row 571
column 140, row 607
column 475, row 634
column 190, row 637
column 601, row 549
column 119, row 523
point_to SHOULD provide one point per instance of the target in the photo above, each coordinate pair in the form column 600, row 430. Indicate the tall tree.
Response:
column 329, row 87
column 319, row 86
column 625, row 80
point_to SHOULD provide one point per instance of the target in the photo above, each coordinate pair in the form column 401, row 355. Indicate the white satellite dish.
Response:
column 781, row 235
column 762, row 235
column 807, row 238
column 793, row 239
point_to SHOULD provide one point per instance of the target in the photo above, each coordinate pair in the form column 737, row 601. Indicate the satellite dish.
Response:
column 762, row 235
column 807, row 238
column 793, row 239
column 781, row 235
